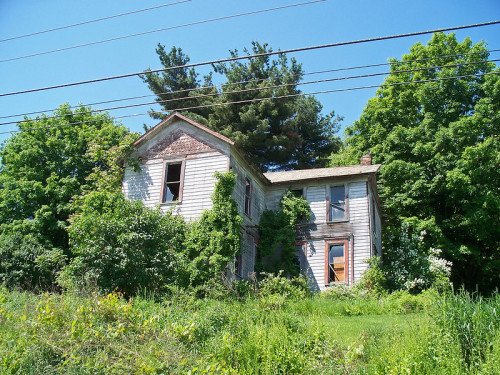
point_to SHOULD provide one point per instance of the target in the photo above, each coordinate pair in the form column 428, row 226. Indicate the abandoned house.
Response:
column 179, row 158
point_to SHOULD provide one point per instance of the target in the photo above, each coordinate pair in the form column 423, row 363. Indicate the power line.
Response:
column 260, row 99
column 258, row 88
column 391, row 63
column 92, row 21
column 159, row 30
column 231, row 59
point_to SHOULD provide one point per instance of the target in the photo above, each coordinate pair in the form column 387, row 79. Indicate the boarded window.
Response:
column 336, row 263
column 337, row 203
column 172, row 187
column 248, row 196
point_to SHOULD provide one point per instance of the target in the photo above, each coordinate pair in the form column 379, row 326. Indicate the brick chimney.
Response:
column 366, row 159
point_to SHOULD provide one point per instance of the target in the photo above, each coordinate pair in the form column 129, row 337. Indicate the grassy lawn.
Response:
column 349, row 328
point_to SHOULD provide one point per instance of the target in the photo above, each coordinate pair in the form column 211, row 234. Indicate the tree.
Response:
column 438, row 142
column 50, row 162
column 287, row 131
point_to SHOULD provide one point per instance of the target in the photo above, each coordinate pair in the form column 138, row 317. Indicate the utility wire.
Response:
column 214, row 94
column 236, row 58
column 92, row 21
column 159, row 30
column 390, row 63
column 258, row 100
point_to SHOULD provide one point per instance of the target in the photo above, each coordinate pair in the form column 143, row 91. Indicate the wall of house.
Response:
column 356, row 229
column 375, row 225
column 242, row 171
column 250, row 222
column 198, row 184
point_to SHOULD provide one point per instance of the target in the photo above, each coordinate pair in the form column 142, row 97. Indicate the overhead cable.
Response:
column 390, row 63
column 92, row 21
column 236, row 58
column 217, row 93
column 159, row 30
column 257, row 100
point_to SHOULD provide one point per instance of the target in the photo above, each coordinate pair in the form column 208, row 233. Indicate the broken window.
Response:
column 172, row 186
column 337, row 203
column 248, row 196
column 336, row 262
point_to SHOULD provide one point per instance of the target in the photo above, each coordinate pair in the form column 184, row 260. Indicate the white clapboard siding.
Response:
column 199, row 183
column 144, row 185
column 273, row 197
column 359, row 218
column 315, row 263
column 248, row 256
column 258, row 197
column 316, row 197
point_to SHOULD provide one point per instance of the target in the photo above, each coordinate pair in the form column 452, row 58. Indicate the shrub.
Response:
column 373, row 279
column 122, row 245
column 293, row 289
column 27, row 262
column 410, row 264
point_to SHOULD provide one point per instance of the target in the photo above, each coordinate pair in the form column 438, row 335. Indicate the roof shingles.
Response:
column 320, row 173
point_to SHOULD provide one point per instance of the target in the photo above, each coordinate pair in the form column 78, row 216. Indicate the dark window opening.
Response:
column 238, row 265
column 248, row 196
column 297, row 192
column 172, row 186
column 337, row 203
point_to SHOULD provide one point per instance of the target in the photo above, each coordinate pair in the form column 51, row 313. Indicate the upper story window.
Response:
column 172, row 182
column 248, row 196
column 338, row 206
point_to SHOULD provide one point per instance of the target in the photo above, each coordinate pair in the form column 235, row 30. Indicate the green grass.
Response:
column 71, row 334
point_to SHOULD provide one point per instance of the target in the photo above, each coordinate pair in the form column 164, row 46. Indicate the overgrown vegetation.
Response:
column 439, row 148
column 277, row 228
column 121, row 245
column 214, row 240
column 274, row 329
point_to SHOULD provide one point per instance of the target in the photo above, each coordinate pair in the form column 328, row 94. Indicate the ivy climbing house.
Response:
column 178, row 159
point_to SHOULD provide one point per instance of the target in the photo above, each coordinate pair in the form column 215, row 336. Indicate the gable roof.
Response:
column 270, row 177
column 320, row 173
column 169, row 120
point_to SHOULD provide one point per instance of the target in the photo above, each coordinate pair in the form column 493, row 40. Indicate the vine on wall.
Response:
column 276, row 250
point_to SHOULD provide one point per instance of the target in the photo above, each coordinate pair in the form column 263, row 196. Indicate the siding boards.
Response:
column 199, row 183
column 359, row 217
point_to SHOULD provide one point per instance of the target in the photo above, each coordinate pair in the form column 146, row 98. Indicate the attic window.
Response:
column 172, row 182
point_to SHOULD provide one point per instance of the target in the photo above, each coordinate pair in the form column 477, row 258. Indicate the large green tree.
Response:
column 270, row 119
column 438, row 142
column 45, row 166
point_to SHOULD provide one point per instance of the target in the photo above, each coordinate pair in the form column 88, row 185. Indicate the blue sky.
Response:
column 319, row 23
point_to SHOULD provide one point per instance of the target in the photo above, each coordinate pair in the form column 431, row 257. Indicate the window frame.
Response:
column 328, row 204
column 166, row 163
column 238, row 265
column 344, row 241
column 249, row 197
